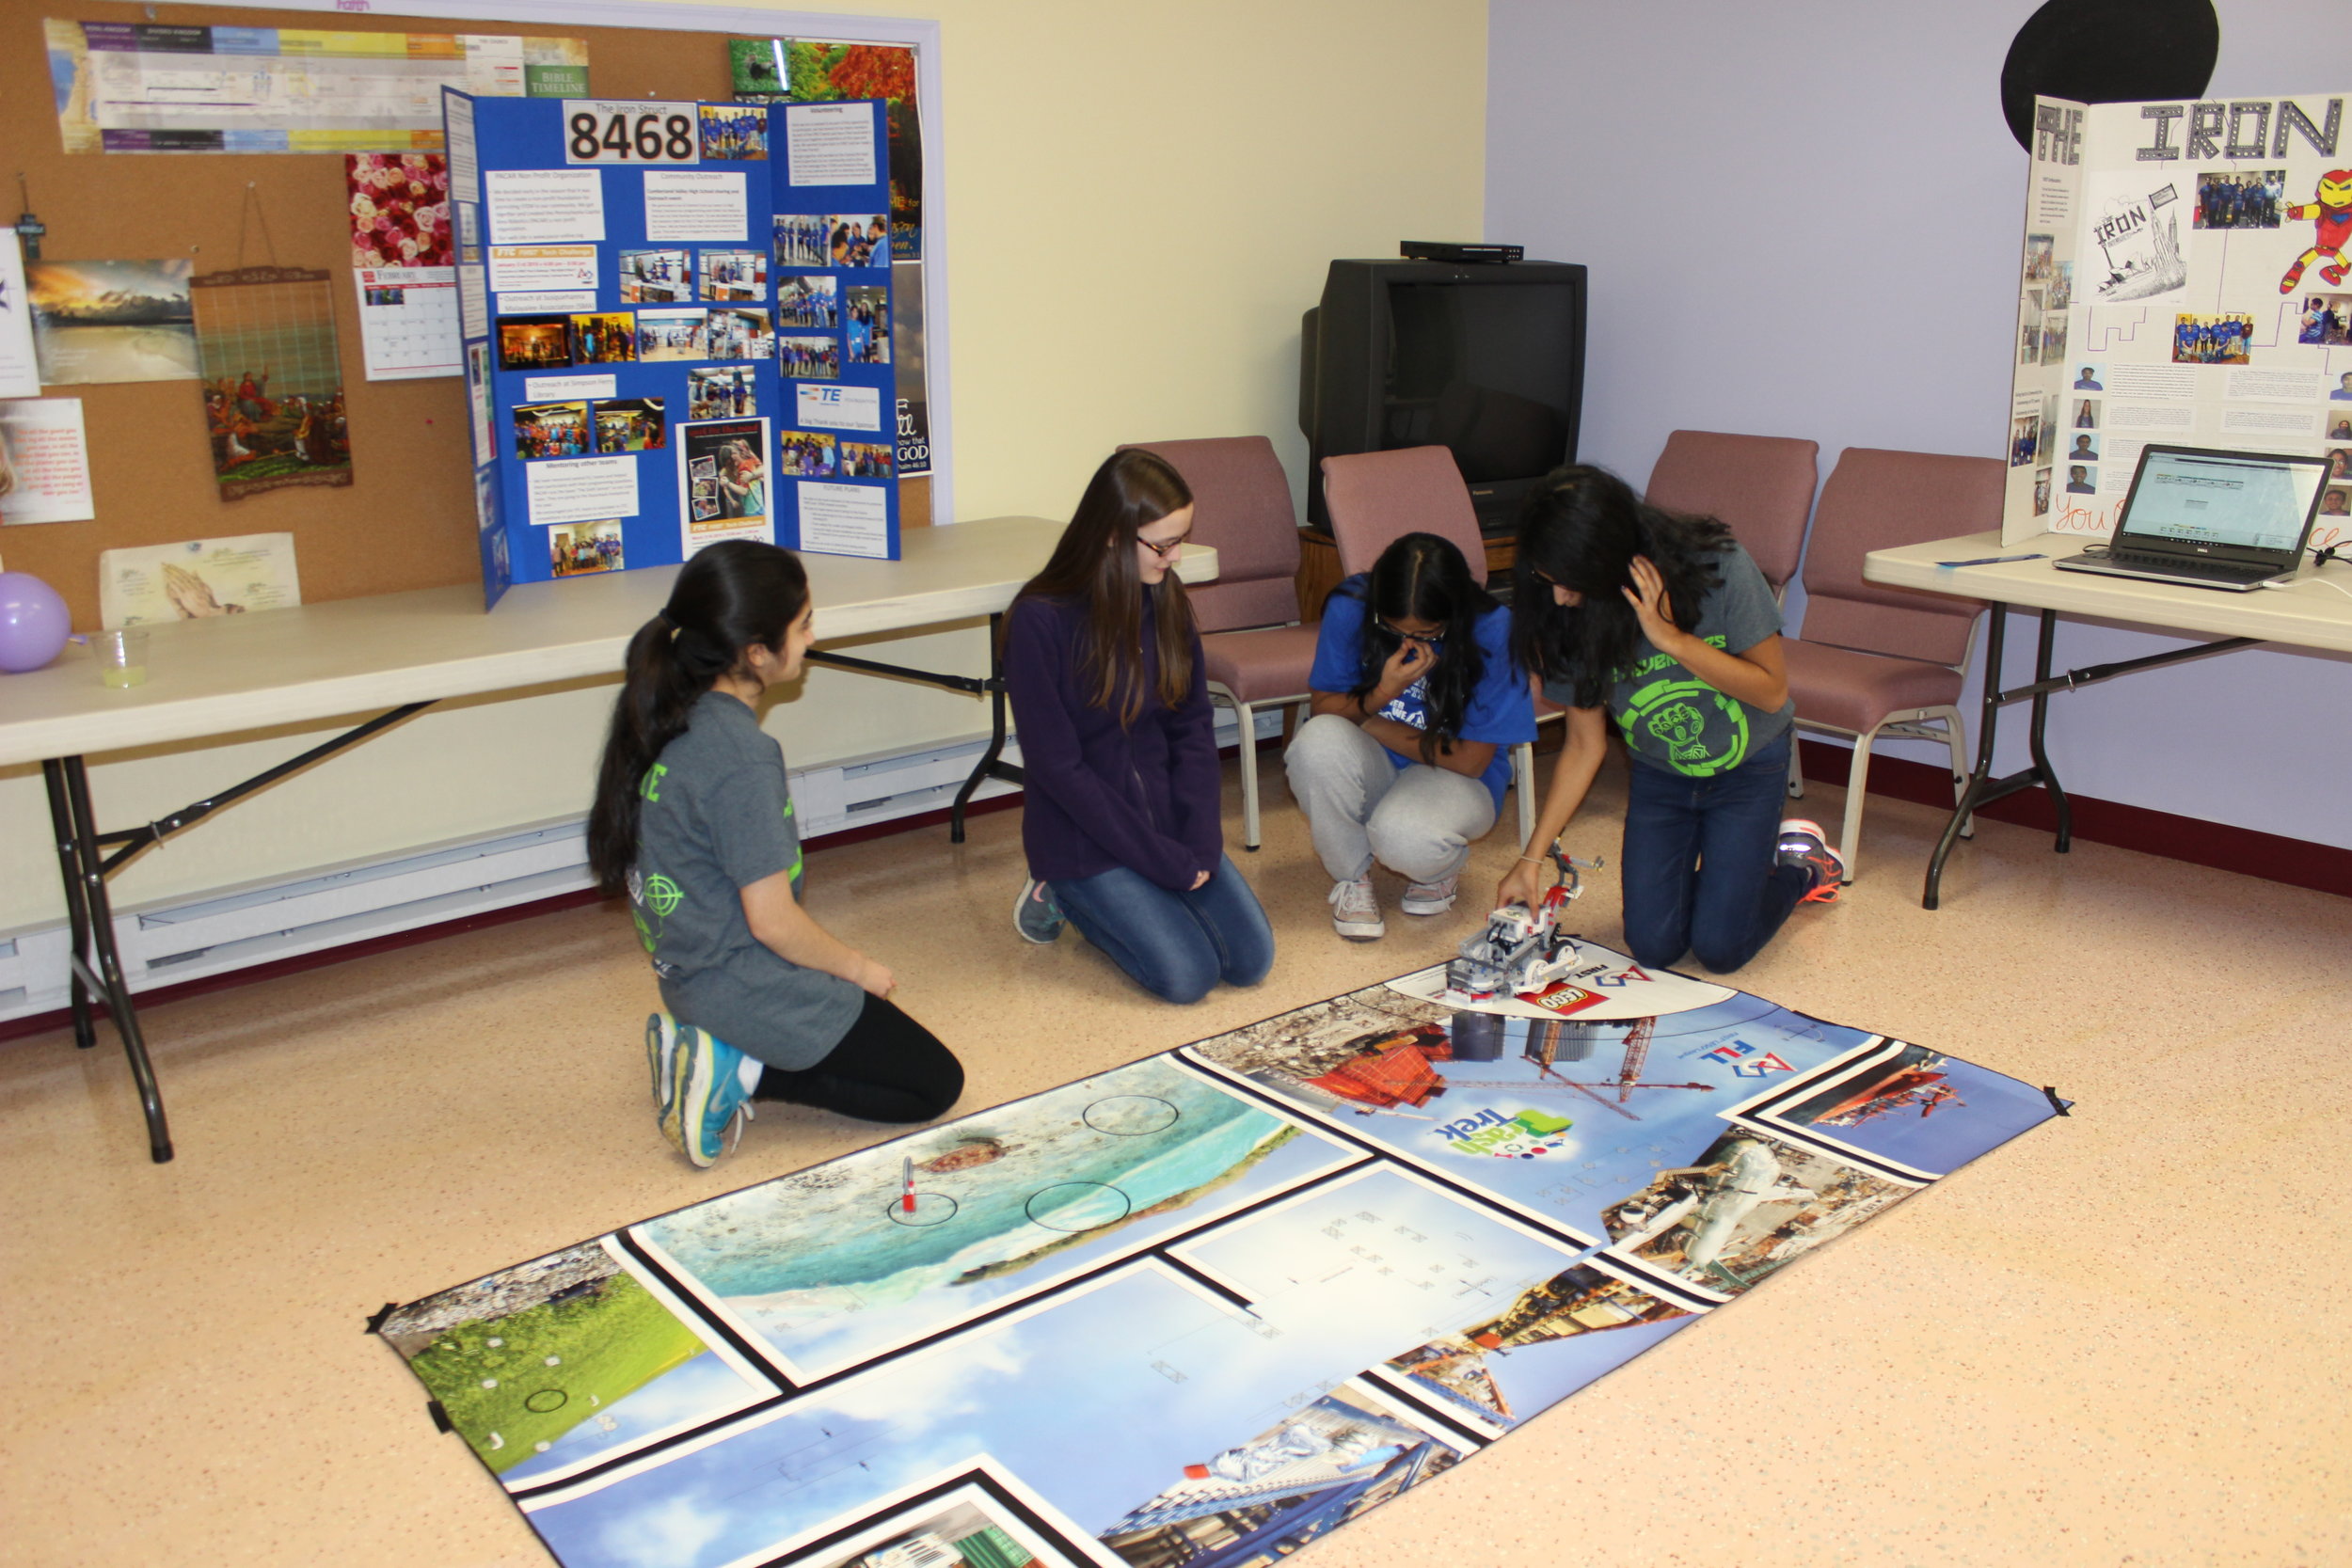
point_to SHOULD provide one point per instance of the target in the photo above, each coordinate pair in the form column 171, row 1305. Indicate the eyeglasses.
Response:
column 1432, row 637
column 1167, row 551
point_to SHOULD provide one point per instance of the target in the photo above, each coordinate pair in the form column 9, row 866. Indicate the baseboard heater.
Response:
column 165, row 943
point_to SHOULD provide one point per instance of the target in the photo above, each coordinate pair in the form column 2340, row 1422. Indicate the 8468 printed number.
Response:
column 622, row 138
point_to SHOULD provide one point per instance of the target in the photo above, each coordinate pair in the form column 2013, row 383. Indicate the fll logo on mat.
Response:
column 1520, row 1137
column 1735, row 1054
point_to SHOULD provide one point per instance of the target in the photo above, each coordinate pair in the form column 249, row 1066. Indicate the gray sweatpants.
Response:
column 1418, row 821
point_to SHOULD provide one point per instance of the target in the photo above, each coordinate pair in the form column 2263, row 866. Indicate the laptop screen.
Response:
column 2245, row 500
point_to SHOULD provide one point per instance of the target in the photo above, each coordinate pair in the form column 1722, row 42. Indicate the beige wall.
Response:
column 1139, row 202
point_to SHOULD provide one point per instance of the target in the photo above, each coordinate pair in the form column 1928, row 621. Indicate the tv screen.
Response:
column 1485, row 361
column 1491, row 373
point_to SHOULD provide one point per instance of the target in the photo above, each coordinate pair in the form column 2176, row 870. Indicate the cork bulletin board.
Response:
column 406, row 520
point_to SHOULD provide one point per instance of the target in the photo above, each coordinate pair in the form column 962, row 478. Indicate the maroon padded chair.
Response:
column 1376, row 497
column 1876, row 661
column 1256, row 654
column 1759, row 487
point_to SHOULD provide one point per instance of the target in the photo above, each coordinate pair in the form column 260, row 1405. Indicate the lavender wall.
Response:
column 1802, row 219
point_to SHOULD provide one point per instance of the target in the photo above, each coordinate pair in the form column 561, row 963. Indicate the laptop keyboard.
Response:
column 2229, row 570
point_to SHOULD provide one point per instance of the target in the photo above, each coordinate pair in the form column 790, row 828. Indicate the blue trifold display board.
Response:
column 677, row 324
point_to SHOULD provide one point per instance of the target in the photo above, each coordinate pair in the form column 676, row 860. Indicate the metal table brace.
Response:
column 85, row 857
column 1983, row 789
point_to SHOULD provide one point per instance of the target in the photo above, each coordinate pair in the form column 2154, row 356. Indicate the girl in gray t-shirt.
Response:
column 693, row 821
column 1662, row 625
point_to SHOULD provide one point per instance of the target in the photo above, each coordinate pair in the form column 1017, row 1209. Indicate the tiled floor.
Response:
column 2120, row 1339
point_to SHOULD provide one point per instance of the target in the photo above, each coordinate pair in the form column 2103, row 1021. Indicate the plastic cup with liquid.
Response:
column 121, row 656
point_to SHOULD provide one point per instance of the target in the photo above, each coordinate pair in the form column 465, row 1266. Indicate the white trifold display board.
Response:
column 2183, row 279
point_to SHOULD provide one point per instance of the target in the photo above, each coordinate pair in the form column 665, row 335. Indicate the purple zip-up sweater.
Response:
column 1101, row 796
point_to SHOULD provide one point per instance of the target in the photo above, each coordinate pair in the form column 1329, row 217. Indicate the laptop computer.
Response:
column 2232, row 520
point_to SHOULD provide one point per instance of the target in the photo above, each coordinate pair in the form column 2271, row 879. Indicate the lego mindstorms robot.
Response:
column 1522, row 950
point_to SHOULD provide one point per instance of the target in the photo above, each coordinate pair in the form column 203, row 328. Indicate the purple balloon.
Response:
column 33, row 623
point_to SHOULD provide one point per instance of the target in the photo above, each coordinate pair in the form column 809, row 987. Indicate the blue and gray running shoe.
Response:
column 1037, row 917
column 707, row 1105
column 660, row 1057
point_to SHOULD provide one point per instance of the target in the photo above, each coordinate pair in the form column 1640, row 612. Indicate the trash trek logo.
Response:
column 1520, row 1137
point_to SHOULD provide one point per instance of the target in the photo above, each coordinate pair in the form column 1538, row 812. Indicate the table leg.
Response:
column 991, row 764
column 97, row 933
column 2041, row 721
column 1995, row 643
column 77, row 914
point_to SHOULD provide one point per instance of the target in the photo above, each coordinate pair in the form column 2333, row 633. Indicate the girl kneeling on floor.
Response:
column 1663, row 623
column 1121, row 823
column 693, row 821
column 1417, row 704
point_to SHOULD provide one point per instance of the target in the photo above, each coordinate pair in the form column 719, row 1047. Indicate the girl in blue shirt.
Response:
column 1417, row 704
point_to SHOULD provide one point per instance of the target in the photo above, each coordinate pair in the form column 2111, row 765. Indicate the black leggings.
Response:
column 887, row 1067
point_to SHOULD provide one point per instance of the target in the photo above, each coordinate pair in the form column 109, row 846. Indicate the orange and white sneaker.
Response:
column 1803, row 843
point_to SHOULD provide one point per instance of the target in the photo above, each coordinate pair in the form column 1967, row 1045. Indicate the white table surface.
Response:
column 2307, row 613
column 219, row 675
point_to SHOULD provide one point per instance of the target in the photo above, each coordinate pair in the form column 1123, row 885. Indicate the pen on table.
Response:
column 1991, row 560
column 906, row 1194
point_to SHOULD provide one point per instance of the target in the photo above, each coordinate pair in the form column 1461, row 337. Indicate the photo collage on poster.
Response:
column 1331, row 1254
column 2183, row 282
column 664, row 350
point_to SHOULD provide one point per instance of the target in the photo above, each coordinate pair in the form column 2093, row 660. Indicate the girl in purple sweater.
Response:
column 1122, row 820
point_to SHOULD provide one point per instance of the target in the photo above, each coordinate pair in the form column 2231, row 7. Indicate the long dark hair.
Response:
column 1423, row 577
column 1581, row 530
column 1094, row 565
column 735, row 594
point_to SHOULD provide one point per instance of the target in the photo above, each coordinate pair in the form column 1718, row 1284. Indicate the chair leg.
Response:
column 1523, row 780
column 1857, row 786
column 1956, row 736
column 1248, row 718
column 1796, row 769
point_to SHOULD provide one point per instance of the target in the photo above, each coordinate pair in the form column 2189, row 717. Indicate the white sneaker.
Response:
column 1355, row 913
column 1430, row 897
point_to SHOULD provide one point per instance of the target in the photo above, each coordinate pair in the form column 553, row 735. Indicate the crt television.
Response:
column 1485, row 360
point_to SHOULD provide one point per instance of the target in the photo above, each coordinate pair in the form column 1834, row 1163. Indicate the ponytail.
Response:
column 735, row 594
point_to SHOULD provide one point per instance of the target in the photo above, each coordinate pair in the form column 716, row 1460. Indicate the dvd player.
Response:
column 1446, row 250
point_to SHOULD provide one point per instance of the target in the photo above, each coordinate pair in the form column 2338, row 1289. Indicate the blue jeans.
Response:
column 1176, row 945
column 1700, row 866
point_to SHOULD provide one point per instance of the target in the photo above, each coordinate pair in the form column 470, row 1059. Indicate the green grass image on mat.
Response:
column 609, row 1340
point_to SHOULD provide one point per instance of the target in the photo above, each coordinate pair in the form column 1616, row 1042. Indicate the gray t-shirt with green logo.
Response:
column 1673, row 720
column 715, row 817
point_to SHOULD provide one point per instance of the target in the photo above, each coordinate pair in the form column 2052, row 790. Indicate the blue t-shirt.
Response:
column 1501, row 712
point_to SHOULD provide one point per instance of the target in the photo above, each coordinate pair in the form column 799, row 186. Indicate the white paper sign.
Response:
column 830, row 144
column 845, row 519
column 20, row 372
column 540, row 305
column 473, row 303
column 542, row 266
column 44, row 461
column 545, row 206
column 562, row 389
column 840, row 408
column 581, row 489
column 464, row 165
column 631, row 131
column 682, row 205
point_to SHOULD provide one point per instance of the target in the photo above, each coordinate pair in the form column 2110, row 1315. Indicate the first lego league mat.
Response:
column 1200, row 1309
